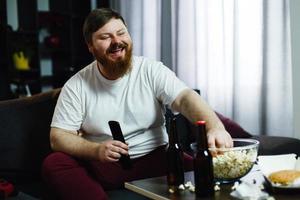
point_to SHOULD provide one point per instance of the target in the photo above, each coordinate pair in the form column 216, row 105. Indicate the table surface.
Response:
column 157, row 188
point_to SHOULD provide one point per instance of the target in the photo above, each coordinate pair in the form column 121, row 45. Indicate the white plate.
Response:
column 273, row 163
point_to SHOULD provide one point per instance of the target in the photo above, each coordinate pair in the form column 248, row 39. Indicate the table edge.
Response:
column 151, row 195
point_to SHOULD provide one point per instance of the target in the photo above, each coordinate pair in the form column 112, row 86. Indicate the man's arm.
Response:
column 71, row 143
column 193, row 107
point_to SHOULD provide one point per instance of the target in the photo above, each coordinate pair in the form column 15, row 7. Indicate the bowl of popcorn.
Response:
column 231, row 164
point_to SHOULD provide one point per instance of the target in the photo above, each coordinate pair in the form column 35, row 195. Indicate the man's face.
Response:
column 111, row 45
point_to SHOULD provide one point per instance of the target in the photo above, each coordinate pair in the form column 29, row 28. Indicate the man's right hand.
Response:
column 111, row 150
column 73, row 144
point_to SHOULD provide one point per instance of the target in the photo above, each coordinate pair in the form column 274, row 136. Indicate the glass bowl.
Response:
column 231, row 164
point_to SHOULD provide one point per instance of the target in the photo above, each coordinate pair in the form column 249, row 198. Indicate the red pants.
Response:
column 71, row 178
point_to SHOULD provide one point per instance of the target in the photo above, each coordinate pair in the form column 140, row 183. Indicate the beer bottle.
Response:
column 175, row 169
column 203, row 165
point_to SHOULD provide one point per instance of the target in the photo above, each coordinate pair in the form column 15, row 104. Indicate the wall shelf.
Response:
column 64, row 45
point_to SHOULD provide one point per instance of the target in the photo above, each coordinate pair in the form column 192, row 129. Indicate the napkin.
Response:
column 249, row 191
column 250, row 187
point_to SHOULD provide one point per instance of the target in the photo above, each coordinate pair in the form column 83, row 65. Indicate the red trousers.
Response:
column 71, row 178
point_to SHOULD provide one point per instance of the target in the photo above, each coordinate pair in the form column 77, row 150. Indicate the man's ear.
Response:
column 90, row 47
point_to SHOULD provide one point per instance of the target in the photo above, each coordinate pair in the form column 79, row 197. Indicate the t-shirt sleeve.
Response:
column 166, row 84
column 68, row 111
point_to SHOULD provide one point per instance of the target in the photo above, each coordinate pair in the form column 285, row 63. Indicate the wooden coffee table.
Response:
column 157, row 188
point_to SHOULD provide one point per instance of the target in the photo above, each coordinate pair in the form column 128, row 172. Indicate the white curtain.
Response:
column 236, row 52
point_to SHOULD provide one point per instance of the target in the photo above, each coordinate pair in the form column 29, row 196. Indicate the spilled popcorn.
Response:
column 217, row 186
column 190, row 186
column 240, row 190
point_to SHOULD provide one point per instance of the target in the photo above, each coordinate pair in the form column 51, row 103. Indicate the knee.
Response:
column 56, row 162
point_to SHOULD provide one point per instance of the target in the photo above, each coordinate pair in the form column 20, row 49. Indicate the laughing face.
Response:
column 111, row 45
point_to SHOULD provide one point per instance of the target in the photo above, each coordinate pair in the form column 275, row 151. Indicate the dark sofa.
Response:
column 24, row 143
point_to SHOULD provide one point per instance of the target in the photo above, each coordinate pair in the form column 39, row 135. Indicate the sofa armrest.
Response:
column 24, row 135
column 273, row 145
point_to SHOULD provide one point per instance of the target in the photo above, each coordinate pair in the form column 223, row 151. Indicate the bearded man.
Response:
column 131, row 90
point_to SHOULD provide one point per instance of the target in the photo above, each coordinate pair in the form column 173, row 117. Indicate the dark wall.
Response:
column 64, row 23
column 4, row 86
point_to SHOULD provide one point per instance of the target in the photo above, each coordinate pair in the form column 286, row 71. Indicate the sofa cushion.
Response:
column 24, row 135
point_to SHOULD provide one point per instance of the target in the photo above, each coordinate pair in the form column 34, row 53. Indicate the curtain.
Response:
column 236, row 52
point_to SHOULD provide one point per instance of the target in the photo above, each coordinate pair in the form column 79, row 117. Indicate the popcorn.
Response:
column 171, row 190
column 233, row 164
column 235, row 185
column 188, row 184
column 217, row 188
column 192, row 188
column 181, row 187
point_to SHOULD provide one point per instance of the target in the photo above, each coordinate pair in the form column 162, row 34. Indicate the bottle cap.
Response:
column 200, row 122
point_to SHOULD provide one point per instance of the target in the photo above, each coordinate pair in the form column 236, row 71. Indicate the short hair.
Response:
column 96, row 19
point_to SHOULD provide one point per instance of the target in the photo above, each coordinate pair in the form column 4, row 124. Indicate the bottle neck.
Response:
column 173, row 136
column 201, row 136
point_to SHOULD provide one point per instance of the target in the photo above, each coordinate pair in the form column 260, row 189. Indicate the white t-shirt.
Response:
column 88, row 101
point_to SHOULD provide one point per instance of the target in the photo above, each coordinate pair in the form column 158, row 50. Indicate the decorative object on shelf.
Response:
column 21, row 61
column 52, row 41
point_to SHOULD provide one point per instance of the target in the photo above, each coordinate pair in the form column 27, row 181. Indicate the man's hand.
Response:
column 193, row 107
column 73, row 144
column 111, row 150
column 219, row 138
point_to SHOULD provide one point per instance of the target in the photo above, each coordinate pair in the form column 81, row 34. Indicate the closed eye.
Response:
column 121, row 33
column 104, row 37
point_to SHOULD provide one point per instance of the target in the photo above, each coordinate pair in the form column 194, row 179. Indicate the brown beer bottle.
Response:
column 203, row 165
column 175, row 169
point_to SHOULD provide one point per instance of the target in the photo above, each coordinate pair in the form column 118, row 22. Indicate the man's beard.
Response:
column 119, row 67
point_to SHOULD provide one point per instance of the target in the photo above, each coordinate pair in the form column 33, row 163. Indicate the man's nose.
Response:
column 116, row 39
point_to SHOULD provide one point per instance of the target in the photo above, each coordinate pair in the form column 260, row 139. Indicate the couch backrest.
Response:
column 24, row 135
